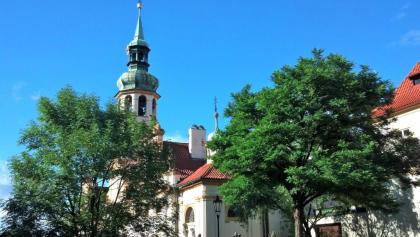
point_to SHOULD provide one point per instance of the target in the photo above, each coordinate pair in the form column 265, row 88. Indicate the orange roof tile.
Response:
column 205, row 172
column 406, row 95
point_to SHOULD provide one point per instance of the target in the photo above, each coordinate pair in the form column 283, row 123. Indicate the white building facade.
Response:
column 197, row 181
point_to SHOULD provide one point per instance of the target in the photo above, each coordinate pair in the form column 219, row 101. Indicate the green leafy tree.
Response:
column 310, row 138
column 87, row 171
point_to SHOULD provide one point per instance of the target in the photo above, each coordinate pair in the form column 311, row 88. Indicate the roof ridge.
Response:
column 211, row 167
column 202, row 173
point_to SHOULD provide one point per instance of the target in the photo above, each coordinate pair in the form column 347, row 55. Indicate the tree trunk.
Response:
column 297, row 214
column 300, row 222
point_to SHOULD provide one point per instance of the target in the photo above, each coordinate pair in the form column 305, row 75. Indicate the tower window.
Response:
column 128, row 103
column 142, row 105
column 154, row 107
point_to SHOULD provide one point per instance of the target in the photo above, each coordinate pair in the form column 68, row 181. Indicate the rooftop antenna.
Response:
column 216, row 116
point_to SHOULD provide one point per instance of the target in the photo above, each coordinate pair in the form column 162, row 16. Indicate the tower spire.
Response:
column 138, row 35
column 216, row 115
column 137, row 87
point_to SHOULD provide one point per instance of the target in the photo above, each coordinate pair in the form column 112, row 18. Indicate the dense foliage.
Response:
column 87, row 171
column 311, row 138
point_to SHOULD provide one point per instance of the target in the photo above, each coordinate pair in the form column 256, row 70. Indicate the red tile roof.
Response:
column 184, row 164
column 415, row 71
column 406, row 95
column 205, row 172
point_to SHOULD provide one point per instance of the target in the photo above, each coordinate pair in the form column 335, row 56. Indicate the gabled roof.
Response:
column 205, row 172
column 407, row 95
column 183, row 162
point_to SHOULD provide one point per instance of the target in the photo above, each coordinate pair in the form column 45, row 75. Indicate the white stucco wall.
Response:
column 409, row 120
column 200, row 198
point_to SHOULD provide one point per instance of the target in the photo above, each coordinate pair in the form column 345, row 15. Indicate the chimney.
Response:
column 197, row 142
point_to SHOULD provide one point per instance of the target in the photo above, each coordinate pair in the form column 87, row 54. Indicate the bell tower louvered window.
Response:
column 128, row 103
column 142, row 106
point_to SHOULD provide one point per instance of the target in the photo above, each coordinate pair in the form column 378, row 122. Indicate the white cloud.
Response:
column 402, row 13
column 17, row 90
column 36, row 96
column 176, row 137
column 412, row 37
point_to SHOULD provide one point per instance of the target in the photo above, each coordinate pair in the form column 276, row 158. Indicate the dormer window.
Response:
column 415, row 79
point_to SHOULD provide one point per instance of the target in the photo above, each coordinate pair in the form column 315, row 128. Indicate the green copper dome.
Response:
column 138, row 42
column 138, row 79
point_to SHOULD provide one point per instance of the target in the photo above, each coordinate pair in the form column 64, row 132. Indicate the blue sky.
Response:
column 200, row 49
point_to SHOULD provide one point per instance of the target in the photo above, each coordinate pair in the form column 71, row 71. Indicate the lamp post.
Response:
column 217, row 203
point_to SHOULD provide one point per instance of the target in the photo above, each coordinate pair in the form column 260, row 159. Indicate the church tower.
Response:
column 137, row 87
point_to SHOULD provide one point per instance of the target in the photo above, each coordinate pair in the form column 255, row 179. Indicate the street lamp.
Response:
column 217, row 203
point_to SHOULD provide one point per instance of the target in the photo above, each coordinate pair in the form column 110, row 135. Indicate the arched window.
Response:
column 128, row 103
column 189, row 216
column 154, row 107
column 231, row 213
column 142, row 105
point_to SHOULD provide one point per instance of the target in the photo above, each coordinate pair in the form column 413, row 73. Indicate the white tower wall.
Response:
column 150, row 112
